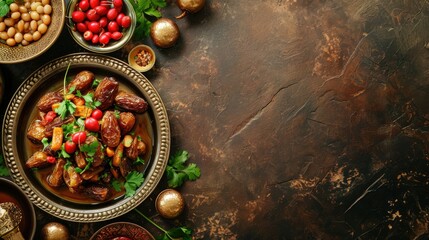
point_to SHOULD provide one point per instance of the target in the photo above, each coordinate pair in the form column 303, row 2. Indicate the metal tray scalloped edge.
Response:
column 162, row 140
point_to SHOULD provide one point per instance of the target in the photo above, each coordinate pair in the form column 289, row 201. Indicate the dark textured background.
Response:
column 308, row 118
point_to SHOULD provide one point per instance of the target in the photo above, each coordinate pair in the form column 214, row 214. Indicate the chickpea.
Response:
column 28, row 37
column 27, row 26
column 36, row 36
column 20, row 26
column 26, row 17
column 3, row 35
column 42, row 28
column 22, row 9
column 47, row 9
column 45, row 2
column 40, row 9
column 11, row 31
column 46, row 19
column 18, row 37
column 27, row 5
column 34, row 15
column 24, row 42
column 13, row 7
column 33, row 25
column 11, row 42
column 2, row 26
column 9, row 22
column 15, row 15
column 34, row 5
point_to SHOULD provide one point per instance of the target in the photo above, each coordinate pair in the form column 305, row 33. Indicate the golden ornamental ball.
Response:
column 164, row 32
column 169, row 203
column 55, row 231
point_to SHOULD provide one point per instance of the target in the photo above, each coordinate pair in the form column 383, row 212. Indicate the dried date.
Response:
column 38, row 159
column 72, row 178
column 46, row 101
column 126, row 122
column 132, row 152
column 82, row 81
column 131, row 102
column 99, row 153
column 106, row 91
column 57, row 122
column 36, row 131
column 55, row 179
column 97, row 192
column 110, row 132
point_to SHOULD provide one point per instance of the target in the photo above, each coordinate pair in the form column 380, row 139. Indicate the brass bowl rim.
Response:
column 82, row 213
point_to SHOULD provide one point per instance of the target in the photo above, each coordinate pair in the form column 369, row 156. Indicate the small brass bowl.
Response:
column 133, row 57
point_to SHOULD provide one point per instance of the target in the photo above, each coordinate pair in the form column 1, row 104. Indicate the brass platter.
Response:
column 21, row 108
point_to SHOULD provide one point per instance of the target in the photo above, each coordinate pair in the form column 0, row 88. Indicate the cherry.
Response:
column 91, row 124
column 97, row 114
column 70, row 147
column 78, row 16
column 79, row 137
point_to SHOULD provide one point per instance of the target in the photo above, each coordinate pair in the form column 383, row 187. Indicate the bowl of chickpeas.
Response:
column 30, row 28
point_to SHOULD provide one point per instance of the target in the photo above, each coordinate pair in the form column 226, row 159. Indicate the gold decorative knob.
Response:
column 55, row 231
column 169, row 203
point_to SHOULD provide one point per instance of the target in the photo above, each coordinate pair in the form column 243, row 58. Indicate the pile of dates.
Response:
column 86, row 150
column 100, row 22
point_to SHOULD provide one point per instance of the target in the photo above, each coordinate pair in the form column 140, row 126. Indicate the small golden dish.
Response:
column 142, row 58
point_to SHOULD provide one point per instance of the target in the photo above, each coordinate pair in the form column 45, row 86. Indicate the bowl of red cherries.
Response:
column 101, row 26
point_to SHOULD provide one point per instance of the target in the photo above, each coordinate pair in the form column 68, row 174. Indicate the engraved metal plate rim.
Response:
column 162, row 140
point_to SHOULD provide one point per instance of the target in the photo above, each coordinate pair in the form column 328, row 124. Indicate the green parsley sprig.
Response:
column 133, row 180
column 89, row 99
column 145, row 10
column 183, row 233
column 4, row 7
column 178, row 172
column 66, row 107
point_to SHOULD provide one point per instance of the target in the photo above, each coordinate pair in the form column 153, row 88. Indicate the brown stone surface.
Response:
column 308, row 118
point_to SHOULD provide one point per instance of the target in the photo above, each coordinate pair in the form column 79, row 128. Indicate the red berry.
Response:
column 97, row 114
column 112, row 14
column 119, row 18
column 101, row 10
column 79, row 137
column 116, row 35
column 108, row 34
column 91, row 124
column 113, row 26
column 104, row 38
column 92, row 15
column 81, row 27
column 95, row 39
column 126, row 22
column 94, row 3
column 88, row 35
column 94, row 27
column 78, row 16
column 51, row 159
column 117, row 4
column 103, row 22
column 50, row 116
column 70, row 147
column 84, row 5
